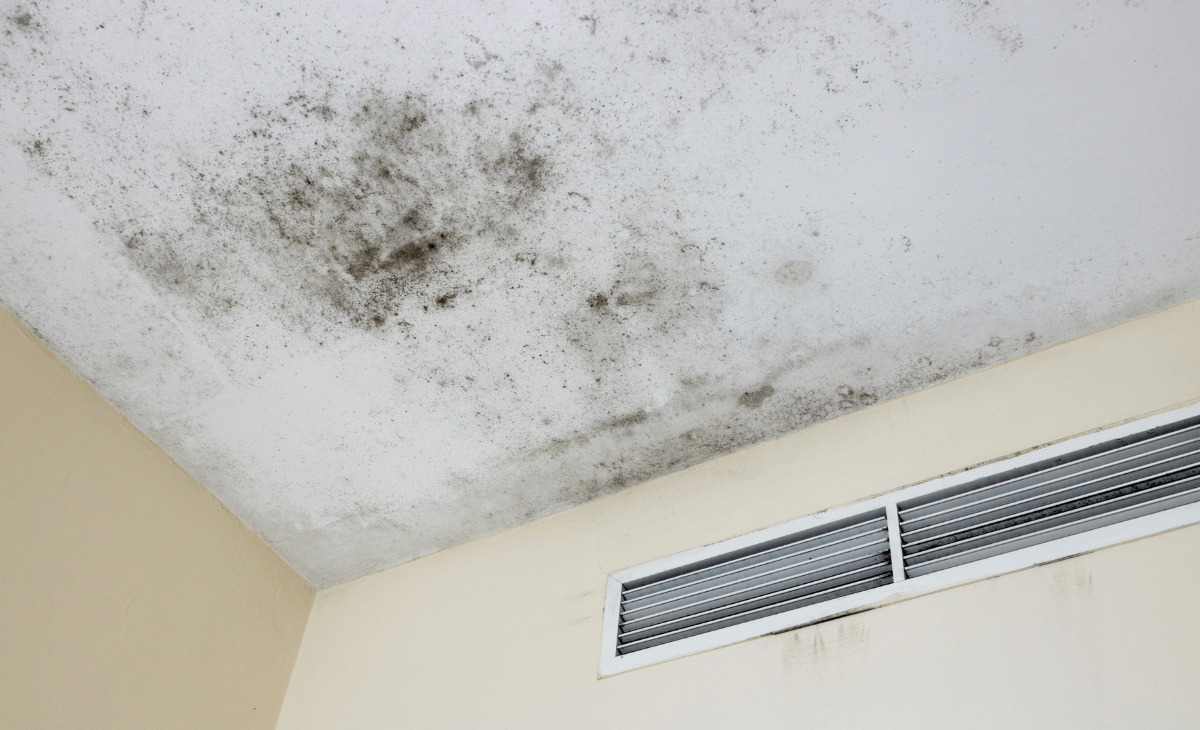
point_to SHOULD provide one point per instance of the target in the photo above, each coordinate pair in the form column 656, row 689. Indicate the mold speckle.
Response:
column 38, row 148
column 850, row 398
column 595, row 262
column 1073, row 582
column 794, row 273
column 23, row 19
column 819, row 648
column 641, row 284
column 984, row 18
column 365, row 205
column 754, row 398
column 626, row 421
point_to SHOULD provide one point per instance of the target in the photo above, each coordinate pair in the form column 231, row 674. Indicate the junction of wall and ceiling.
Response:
column 387, row 276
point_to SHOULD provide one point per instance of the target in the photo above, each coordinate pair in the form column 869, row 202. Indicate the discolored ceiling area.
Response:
column 387, row 276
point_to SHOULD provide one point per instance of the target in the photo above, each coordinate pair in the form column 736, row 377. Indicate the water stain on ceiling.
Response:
column 386, row 279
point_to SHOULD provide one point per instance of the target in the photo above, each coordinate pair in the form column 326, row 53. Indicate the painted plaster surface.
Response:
column 131, row 599
column 388, row 276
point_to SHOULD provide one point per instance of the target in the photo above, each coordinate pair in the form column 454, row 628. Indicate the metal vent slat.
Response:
column 625, row 647
column 1051, row 503
column 1053, row 533
column 1128, row 461
column 1082, row 491
column 1080, row 463
column 730, row 583
column 882, row 544
column 740, row 560
column 709, row 600
column 790, row 572
column 739, row 608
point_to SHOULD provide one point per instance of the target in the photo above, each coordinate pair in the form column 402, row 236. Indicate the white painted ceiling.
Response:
column 388, row 276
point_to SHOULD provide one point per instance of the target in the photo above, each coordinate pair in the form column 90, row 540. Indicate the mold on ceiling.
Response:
column 387, row 276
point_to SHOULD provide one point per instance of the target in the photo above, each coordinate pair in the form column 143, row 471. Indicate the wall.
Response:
column 504, row 632
column 130, row 597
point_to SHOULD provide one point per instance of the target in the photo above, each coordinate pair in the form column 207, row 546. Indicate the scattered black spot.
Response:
column 598, row 300
column 23, row 19
column 640, row 284
column 132, row 240
column 641, row 296
column 626, row 421
column 365, row 203
column 37, row 148
column 850, row 398
column 754, row 398
column 523, row 171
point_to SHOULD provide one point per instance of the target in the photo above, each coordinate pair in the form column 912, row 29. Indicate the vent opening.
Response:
column 1080, row 495
column 788, row 573
column 1103, row 485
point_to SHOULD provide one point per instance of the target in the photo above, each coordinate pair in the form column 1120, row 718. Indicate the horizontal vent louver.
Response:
column 1090, row 492
column 766, row 579
column 1085, row 490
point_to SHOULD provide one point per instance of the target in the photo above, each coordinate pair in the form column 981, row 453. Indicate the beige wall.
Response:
column 504, row 632
column 129, row 597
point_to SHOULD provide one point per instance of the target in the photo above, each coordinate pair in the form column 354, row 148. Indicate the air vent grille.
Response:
column 1049, row 500
column 1066, row 499
column 770, row 578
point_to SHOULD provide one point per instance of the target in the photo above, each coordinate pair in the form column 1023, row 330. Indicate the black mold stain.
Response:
column 23, row 19
column 754, row 398
column 626, row 421
column 37, row 148
column 850, row 398
column 362, row 204
column 24, row 22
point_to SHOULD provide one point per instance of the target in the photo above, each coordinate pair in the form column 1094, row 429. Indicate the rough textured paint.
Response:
column 387, row 277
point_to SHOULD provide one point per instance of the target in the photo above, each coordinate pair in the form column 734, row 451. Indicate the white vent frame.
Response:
column 902, row 588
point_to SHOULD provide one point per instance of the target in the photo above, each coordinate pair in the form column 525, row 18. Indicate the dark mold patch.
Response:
column 754, row 398
column 850, row 398
column 626, row 421
column 23, row 19
column 37, row 148
column 363, row 205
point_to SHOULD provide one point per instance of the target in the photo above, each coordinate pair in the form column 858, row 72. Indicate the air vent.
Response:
column 1109, row 483
column 795, row 571
column 1070, row 498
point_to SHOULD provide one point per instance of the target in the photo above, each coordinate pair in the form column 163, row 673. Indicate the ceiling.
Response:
column 388, row 276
